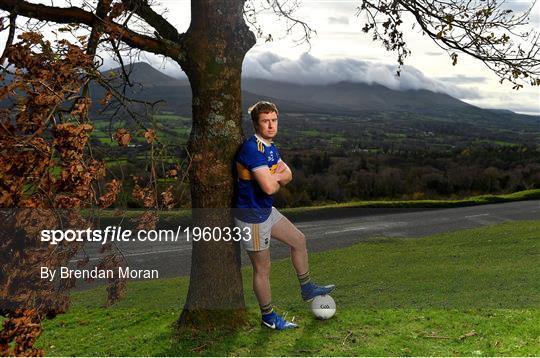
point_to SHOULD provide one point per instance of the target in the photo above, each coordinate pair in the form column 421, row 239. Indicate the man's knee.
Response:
column 262, row 268
column 300, row 241
column 262, row 271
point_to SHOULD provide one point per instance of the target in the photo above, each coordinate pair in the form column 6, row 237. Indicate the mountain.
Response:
column 354, row 97
column 147, row 76
column 343, row 98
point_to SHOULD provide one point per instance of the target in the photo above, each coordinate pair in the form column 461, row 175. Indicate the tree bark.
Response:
column 215, row 43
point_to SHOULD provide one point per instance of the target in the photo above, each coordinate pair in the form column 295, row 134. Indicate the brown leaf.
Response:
column 122, row 136
column 81, row 106
column 113, row 188
column 150, row 136
column 172, row 172
column 105, row 100
column 167, row 198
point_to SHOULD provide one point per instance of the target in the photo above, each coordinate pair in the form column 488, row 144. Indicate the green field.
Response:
column 471, row 292
column 531, row 194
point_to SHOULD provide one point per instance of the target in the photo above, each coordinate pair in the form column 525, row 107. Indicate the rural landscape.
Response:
column 465, row 292
column 345, row 142
column 419, row 212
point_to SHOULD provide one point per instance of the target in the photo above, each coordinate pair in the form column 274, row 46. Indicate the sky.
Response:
column 341, row 51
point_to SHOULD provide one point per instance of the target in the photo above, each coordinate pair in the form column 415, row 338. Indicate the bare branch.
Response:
column 282, row 9
column 65, row 15
column 11, row 35
column 116, row 51
column 97, row 29
column 163, row 27
column 482, row 29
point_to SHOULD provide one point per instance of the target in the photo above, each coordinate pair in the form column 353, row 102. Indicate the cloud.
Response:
column 308, row 69
column 342, row 20
column 462, row 79
column 526, row 102
column 518, row 7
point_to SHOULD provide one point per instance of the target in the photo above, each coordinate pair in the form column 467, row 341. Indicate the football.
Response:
column 323, row 307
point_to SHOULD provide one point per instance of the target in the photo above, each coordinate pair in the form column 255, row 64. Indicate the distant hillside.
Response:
column 344, row 98
column 332, row 115
column 340, row 99
column 354, row 97
column 146, row 75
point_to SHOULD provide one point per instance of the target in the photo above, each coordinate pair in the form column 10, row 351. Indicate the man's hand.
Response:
column 271, row 182
column 268, row 182
column 283, row 173
column 281, row 167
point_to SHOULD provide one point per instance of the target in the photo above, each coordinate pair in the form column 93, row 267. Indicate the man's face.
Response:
column 267, row 126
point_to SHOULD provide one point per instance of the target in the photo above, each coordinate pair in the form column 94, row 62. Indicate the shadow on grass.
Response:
column 255, row 342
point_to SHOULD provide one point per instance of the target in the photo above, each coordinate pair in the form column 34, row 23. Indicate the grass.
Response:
column 531, row 194
column 170, row 116
column 116, row 162
column 470, row 292
column 311, row 133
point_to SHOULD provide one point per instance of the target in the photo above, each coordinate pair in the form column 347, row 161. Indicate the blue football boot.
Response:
column 311, row 290
column 275, row 321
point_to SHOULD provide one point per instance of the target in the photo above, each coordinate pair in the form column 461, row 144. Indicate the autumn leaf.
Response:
column 81, row 106
column 167, row 198
column 122, row 136
column 37, row 139
column 172, row 173
column 113, row 188
column 150, row 135
column 105, row 100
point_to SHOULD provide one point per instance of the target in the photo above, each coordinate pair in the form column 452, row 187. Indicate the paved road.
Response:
column 349, row 227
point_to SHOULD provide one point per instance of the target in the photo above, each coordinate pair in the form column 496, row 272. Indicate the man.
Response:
column 261, row 173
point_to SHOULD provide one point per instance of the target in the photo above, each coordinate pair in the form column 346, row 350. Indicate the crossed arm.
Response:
column 271, row 183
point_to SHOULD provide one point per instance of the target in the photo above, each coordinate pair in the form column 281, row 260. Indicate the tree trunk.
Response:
column 216, row 43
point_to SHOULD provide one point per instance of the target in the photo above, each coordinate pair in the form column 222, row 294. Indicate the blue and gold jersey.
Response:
column 253, row 155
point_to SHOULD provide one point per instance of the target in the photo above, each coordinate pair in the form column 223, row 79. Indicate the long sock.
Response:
column 304, row 278
column 266, row 309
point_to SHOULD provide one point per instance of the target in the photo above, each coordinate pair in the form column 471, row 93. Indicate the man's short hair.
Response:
column 261, row 107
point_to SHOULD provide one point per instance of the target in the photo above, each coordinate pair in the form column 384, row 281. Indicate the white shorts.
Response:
column 257, row 238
